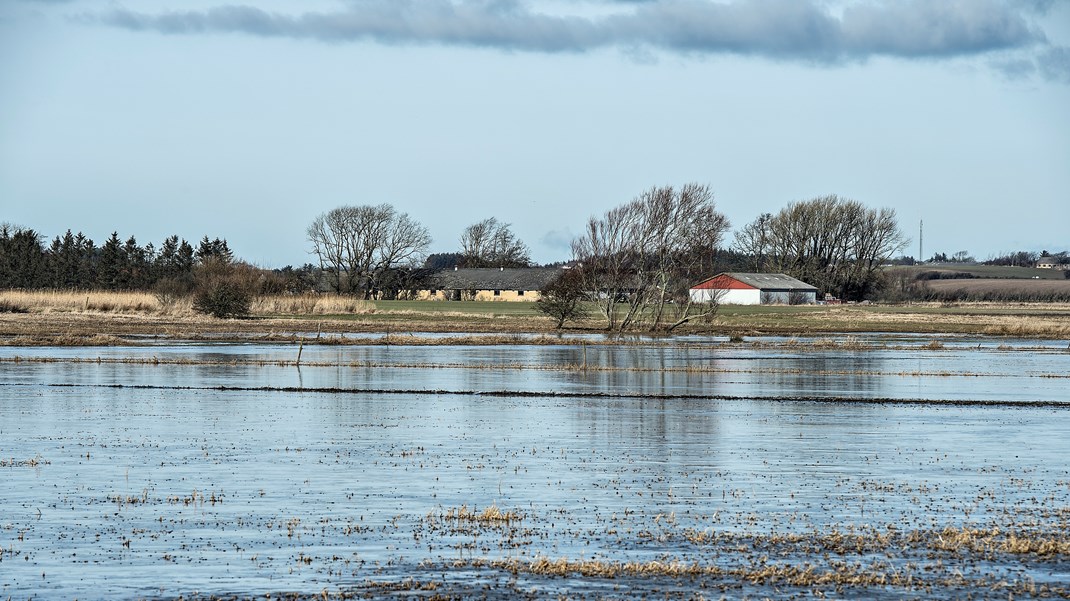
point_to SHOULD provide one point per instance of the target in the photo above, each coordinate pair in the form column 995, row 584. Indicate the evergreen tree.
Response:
column 214, row 249
column 85, row 252
column 110, row 266
column 23, row 261
column 184, row 263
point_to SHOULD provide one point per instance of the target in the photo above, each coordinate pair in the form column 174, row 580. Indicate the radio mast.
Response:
column 921, row 238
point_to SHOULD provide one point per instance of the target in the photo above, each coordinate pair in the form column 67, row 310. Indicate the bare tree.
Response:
column 752, row 240
column 358, row 245
column 836, row 244
column 491, row 243
column 640, row 258
column 562, row 299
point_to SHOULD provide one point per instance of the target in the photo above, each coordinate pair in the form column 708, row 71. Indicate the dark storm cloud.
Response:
column 781, row 29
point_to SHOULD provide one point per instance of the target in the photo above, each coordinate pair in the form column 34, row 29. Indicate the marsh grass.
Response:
column 311, row 304
column 10, row 306
column 35, row 461
column 75, row 301
column 100, row 301
column 490, row 515
column 851, row 343
column 994, row 540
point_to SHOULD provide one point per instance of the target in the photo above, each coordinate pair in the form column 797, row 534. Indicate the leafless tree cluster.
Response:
column 491, row 243
column 640, row 259
column 358, row 247
column 836, row 244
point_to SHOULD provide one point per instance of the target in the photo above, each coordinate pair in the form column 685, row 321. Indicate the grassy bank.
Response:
column 68, row 317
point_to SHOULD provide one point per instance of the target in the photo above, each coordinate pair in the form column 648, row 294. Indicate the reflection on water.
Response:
column 109, row 492
column 962, row 373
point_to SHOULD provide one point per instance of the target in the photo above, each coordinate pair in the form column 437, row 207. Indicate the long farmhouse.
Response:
column 489, row 284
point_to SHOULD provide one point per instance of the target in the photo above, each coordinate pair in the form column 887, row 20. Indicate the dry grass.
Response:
column 1027, row 328
column 35, row 461
column 489, row 515
column 73, row 301
column 993, row 540
column 311, row 304
column 99, row 301
column 983, row 285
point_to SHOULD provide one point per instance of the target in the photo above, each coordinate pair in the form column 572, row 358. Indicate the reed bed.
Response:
column 75, row 301
column 100, row 301
column 310, row 304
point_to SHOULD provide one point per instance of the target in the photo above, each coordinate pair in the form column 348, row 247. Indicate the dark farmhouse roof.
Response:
column 772, row 282
column 529, row 278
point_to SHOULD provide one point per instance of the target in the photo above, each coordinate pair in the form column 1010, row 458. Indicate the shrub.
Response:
column 222, row 297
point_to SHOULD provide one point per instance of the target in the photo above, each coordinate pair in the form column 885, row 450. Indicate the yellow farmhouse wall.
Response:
column 483, row 295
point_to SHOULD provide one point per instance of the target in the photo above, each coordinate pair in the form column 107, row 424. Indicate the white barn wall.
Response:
column 727, row 297
column 742, row 297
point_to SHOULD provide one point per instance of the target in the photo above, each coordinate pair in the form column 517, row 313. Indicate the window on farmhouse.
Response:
column 497, row 293
column 520, row 293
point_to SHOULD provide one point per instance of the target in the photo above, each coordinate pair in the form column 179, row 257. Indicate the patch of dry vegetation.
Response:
column 35, row 461
column 310, row 304
column 99, row 301
column 490, row 515
column 73, row 301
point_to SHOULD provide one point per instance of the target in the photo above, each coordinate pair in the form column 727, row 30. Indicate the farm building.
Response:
column 754, row 289
column 493, row 284
column 1051, row 263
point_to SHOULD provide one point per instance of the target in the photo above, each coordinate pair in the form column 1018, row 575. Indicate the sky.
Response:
column 246, row 119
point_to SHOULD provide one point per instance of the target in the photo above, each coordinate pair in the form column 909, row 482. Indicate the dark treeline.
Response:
column 74, row 261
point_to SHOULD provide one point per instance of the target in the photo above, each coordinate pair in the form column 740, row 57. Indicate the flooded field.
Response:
column 885, row 468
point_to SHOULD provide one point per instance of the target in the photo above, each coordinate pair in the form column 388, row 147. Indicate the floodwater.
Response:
column 216, row 470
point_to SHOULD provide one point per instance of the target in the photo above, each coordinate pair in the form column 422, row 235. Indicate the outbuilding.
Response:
column 754, row 289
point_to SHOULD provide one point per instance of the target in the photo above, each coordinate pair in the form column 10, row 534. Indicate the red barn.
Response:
column 754, row 289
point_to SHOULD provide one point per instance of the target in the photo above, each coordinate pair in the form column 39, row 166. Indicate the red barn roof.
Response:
column 774, row 282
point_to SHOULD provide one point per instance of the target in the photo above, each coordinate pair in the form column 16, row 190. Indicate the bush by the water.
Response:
column 222, row 298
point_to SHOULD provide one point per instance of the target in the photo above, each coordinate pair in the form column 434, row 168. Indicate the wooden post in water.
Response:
column 300, row 347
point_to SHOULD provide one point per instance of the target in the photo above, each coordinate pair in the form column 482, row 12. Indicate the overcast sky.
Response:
column 246, row 119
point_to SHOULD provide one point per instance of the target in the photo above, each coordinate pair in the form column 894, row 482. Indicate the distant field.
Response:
column 983, row 271
column 977, row 285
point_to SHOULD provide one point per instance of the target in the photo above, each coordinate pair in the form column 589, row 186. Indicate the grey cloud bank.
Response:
column 805, row 30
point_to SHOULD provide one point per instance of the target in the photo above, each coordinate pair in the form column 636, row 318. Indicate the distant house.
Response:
column 754, row 289
column 1051, row 263
column 489, row 284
